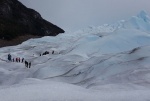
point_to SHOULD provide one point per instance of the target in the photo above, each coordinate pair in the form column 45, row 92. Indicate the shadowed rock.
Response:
column 17, row 20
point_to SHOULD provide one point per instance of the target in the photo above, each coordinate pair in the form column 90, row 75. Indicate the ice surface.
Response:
column 105, row 63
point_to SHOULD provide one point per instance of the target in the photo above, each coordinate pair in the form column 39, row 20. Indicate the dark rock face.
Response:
column 17, row 20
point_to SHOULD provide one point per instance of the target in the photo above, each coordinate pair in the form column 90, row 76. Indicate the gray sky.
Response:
column 78, row 14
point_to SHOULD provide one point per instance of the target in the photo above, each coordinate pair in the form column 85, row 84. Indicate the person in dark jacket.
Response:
column 13, row 60
column 9, row 57
column 53, row 52
column 19, row 59
column 16, row 59
column 29, row 64
column 22, row 60
column 26, row 64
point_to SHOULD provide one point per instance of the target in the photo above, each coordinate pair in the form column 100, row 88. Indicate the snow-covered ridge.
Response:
column 87, row 65
column 139, row 22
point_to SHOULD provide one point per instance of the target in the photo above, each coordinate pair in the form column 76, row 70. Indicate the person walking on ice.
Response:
column 16, row 59
column 9, row 57
column 53, row 52
column 26, row 64
column 29, row 64
column 22, row 60
column 13, row 60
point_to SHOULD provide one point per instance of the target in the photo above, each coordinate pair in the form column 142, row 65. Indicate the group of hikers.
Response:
column 17, row 60
column 27, row 64
column 46, row 52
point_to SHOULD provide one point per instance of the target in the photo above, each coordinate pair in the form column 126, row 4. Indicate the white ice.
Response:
column 105, row 63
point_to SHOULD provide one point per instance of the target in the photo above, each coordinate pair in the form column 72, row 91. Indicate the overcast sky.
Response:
column 78, row 14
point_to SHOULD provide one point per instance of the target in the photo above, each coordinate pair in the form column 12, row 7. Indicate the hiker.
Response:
column 22, row 60
column 26, row 64
column 16, row 59
column 52, row 52
column 46, row 52
column 9, row 57
column 43, row 54
column 19, row 59
column 13, row 60
column 29, row 64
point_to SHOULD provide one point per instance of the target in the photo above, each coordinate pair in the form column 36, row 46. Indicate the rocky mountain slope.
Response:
column 16, row 21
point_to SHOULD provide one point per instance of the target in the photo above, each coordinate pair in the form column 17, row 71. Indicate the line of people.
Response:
column 27, row 64
column 18, row 60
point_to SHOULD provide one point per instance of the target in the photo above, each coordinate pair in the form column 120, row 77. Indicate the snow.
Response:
column 105, row 63
column 140, row 22
column 56, row 91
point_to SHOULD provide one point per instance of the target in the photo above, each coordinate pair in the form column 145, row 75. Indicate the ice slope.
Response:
column 121, row 76
column 95, row 64
column 39, row 90
column 117, row 41
column 140, row 22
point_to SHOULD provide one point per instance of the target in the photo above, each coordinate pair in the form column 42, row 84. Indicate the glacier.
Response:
column 104, row 63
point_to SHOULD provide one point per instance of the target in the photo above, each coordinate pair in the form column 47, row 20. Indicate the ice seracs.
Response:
column 140, row 22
